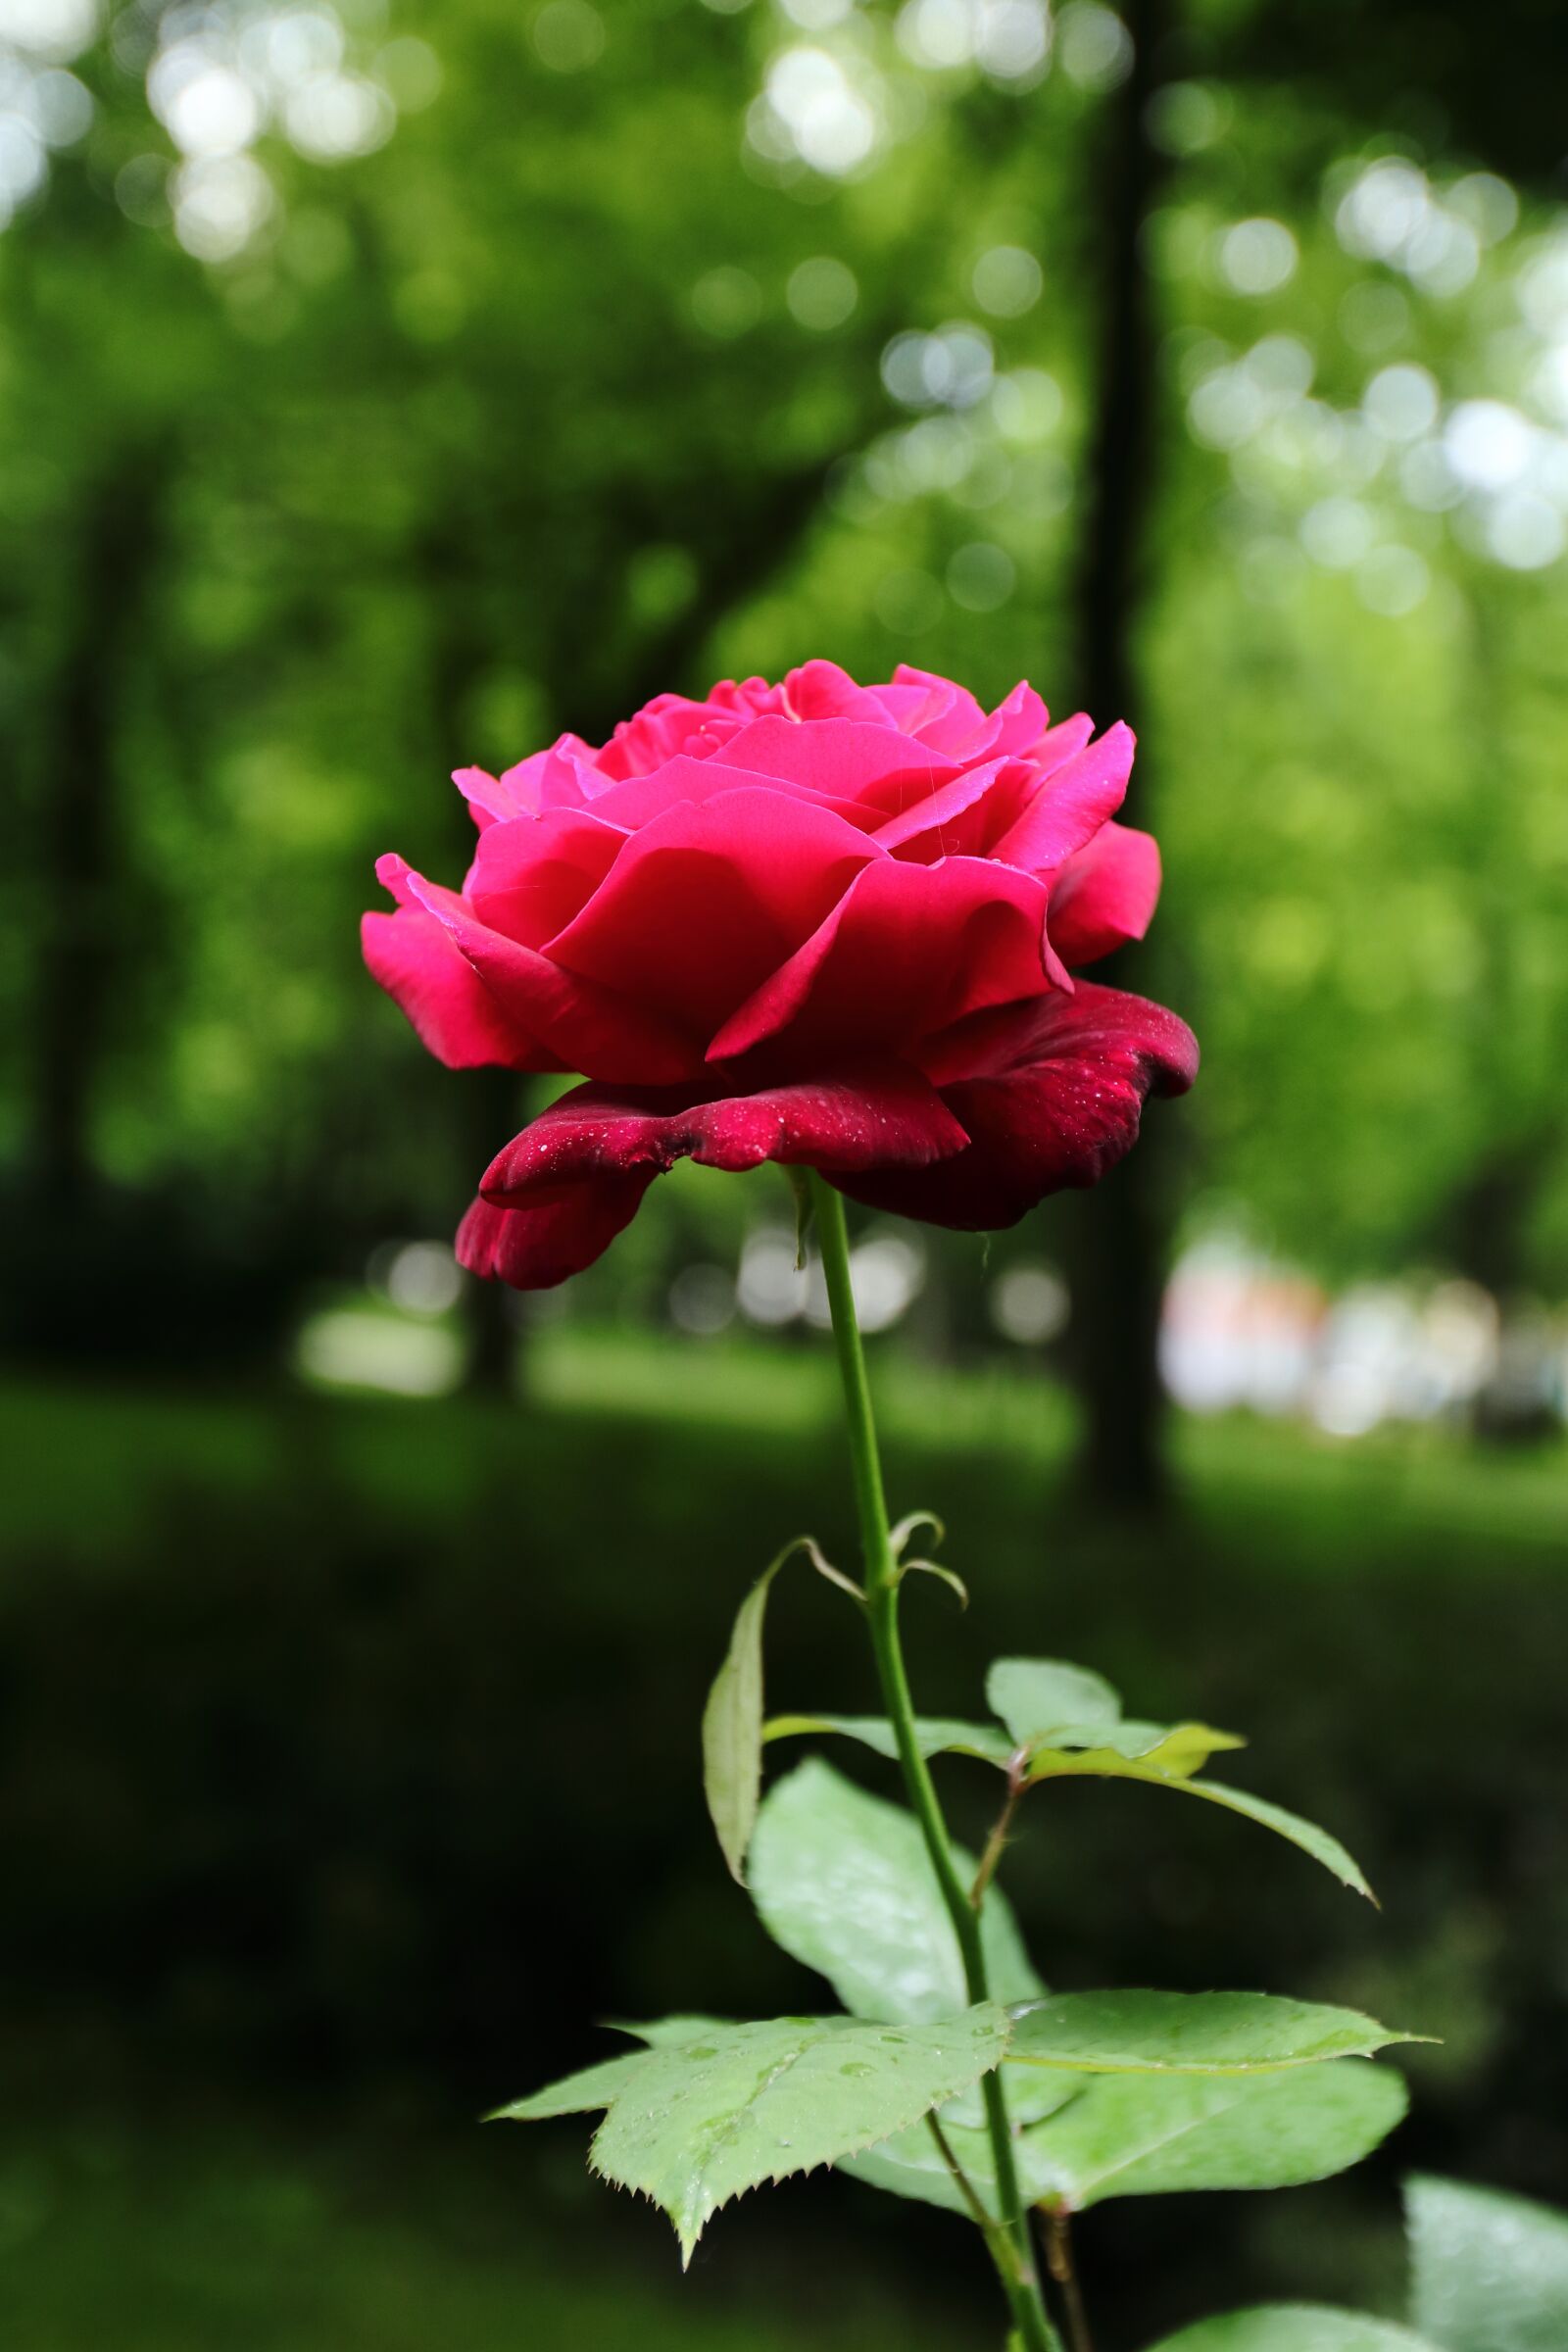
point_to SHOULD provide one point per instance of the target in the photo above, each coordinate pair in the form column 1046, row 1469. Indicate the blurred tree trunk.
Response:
column 1490, row 1235
column 1513, row 1079
column 82, row 887
column 1119, row 1270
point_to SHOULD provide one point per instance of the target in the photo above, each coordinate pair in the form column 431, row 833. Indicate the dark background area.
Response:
column 383, row 393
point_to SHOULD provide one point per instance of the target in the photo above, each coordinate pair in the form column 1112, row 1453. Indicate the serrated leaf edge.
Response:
column 688, row 2236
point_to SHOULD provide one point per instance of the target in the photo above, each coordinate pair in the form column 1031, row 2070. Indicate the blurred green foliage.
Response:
column 649, row 344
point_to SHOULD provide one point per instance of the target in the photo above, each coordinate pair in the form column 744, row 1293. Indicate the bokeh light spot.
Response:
column 568, row 35
column 981, row 576
column 1006, row 282
column 821, row 293
column 1094, row 46
column 1256, row 257
column 725, row 302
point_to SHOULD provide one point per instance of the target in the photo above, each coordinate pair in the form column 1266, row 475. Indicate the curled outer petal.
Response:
column 546, row 1242
column 532, row 874
column 453, row 1013
column 1106, row 895
column 1075, row 799
column 574, row 1022
column 1051, row 1094
column 872, row 1116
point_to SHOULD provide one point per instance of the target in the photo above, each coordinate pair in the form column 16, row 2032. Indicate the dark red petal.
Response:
column 1051, row 1094
column 1075, row 800
column 709, row 899
column 908, row 950
column 585, row 1027
column 879, row 1116
column 453, row 1012
column 1106, row 895
column 534, row 1248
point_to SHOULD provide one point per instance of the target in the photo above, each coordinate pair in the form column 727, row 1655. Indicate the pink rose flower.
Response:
column 821, row 923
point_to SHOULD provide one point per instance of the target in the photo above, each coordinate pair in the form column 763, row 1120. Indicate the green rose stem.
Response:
column 1013, row 2253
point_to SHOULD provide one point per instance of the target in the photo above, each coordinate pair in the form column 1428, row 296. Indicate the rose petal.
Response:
column 1074, row 800
column 941, row 714
column 1017, row 724
column 582, row 1025
column 1051, row 1094
column 908, row 950
column 709, row 899
column 556, row 778
column 671, row 723
column 955, row 818
column 535, row 1247
column 454, row 1014
column 842, row 760
column 1106, row 895
column 1058, row 745
column 531, row 874
column 821, row 690
column 682, row 781
column 875, row 1116
column 483, row 792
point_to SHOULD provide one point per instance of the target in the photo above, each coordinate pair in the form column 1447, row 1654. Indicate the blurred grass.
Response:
column 86, row 1464
column 192, row 2241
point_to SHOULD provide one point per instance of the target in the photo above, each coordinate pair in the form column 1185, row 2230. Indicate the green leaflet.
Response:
column 594, row 2086
column 1190, row 2033
column 710, row 2110
column 1128, row 2135
column 842, row 1881
column 937, row 1734
column 1033, row 1696
column 694, row 2124
column 1168, row 1751
column 1489, row 2272
column 1174, row 1750
column 672, row 2030
column 1080, row 1732
column 732, row 1728
column 1294, row 2327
